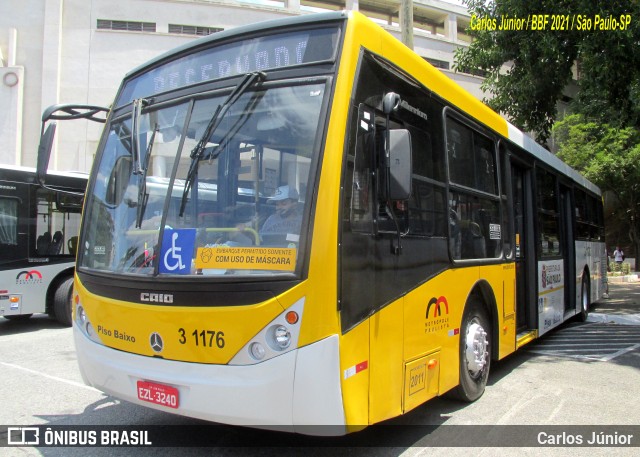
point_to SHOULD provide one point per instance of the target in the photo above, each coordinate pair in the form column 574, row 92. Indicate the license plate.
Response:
column 158, row 394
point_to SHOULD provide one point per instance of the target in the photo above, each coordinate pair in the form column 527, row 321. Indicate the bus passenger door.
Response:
column 526, row 315
column 568, row 248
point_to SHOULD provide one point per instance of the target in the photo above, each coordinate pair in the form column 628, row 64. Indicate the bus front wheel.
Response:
column 63, row 303
column 475, row 355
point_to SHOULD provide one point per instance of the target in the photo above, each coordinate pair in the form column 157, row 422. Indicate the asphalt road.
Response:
column 578, row 380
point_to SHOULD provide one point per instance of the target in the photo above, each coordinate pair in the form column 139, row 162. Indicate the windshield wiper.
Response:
column 197, row 153
column 143, row 196
column 138, row 104
column 242, row 119
column 128, row 138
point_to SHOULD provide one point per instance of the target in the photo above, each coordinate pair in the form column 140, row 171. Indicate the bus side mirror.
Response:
column 399, row 150
column 62, row 112
column 44, row 153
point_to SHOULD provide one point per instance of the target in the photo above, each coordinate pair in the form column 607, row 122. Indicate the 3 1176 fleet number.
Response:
column 202, row 338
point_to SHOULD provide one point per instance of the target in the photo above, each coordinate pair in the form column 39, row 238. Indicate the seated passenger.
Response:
column 287, row 218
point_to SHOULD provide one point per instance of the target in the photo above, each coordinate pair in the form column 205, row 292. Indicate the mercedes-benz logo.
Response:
column 155, row 340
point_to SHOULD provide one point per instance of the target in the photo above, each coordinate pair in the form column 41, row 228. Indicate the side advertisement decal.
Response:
column 550, row 294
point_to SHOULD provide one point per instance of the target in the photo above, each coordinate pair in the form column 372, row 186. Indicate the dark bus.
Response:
column 38, row 240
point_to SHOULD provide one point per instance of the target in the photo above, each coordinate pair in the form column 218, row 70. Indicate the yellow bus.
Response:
column 303, row 225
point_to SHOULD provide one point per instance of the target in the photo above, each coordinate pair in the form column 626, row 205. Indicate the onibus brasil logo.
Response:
column 29, row 277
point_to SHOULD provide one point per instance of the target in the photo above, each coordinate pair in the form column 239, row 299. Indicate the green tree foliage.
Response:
column 527, row 70
column 609, row 156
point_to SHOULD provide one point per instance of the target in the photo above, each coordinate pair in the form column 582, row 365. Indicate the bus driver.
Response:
column 287, row 217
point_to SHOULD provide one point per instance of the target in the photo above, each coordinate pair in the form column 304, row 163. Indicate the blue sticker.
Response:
column 177, row 251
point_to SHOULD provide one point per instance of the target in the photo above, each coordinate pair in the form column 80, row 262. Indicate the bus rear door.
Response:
column 522, row 197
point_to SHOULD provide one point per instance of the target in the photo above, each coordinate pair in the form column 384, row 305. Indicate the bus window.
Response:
column 599, row 218
column 595, row 219
column 361, row 175
column 582, row 217
column 549, row 241
column 427, row 209
column 8, row 221
column 423, row 214
column 426, row 162
column 208, row 168
column 475, row 227
column 472, row 161
column 57, row 222
column 507, row 217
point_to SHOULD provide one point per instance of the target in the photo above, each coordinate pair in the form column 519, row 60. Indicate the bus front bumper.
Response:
column 298, row 391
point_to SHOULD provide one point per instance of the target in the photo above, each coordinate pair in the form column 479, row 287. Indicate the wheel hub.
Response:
column 477, row 348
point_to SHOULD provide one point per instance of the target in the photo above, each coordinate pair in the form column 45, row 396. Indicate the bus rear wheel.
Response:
column 475, row 356
column 585, row 298
column 63, row 303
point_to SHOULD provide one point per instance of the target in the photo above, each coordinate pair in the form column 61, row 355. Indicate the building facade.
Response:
column 78, row 51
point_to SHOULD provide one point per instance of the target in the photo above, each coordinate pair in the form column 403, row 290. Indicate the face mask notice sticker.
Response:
column 246, row 258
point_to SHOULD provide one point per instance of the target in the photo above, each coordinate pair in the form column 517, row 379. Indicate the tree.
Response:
column 527, row 70
column 609, row 156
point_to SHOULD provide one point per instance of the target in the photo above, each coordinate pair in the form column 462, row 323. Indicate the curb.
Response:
column 622, row 279
column 623, row 319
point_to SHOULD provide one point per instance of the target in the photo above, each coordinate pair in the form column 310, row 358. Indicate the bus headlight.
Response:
column 89, row 330
column 83, row 323
column 281, row 338
column 82, row 316
column 277, row 337
column 257, row 351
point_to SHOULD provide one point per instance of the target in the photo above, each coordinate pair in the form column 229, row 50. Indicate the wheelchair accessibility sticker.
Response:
column 177, row 251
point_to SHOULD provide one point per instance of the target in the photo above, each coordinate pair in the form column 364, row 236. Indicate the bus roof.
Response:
column 28, row 175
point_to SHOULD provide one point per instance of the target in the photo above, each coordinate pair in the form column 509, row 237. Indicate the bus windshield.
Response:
column 208, row 186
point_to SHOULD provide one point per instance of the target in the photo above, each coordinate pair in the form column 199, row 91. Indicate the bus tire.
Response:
column 585, row 298
column 63, row 303
column 475, row 355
